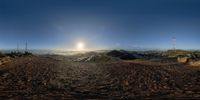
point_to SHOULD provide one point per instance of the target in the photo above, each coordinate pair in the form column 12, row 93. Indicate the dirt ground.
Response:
column 38, row 77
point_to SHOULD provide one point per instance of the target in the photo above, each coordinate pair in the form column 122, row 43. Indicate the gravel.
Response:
column 37, row 77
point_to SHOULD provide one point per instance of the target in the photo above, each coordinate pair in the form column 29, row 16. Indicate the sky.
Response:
column 99, row 24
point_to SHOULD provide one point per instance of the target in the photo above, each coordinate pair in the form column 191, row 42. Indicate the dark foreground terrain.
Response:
column 39, row 77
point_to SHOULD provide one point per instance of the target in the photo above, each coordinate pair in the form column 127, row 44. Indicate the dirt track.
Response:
column 45, row 78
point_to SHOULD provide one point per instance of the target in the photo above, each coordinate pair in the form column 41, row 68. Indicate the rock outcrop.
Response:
column 183, row 59
column 195, row 63
column 5, row 60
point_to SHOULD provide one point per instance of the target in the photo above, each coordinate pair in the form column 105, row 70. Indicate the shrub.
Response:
column 1, row 54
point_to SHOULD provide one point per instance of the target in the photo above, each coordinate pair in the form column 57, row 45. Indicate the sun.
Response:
column 80, row 46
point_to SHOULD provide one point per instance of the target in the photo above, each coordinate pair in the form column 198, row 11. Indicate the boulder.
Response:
column 81, row 59
column 91, row 58
column 195, row 63
column 183, row 59
column 5, row 60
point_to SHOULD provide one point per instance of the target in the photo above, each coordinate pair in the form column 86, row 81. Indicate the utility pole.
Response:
column 17, row 47
column 26, row 47
column 174, row 43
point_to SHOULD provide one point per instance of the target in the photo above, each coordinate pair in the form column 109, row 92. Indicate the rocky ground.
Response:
column 39, row 77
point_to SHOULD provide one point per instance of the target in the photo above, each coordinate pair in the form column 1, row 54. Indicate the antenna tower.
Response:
column 17, row 47
column 174, row 43
column 26, row 47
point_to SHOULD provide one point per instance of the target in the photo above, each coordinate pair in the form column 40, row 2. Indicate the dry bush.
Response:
column 1, row 54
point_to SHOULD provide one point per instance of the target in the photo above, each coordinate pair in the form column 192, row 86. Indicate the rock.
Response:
column 5, row 75
column 81, row 59
column 183, row 59
column 5, row 60
column 55, row 84
column 91, row 58
column 126, row 83
column 195, row 63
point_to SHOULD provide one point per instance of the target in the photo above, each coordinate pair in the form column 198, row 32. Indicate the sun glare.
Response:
column 80, row 46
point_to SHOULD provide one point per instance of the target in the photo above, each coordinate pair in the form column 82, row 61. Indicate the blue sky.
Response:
column 100, row 24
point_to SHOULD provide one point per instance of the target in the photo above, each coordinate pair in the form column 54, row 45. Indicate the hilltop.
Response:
column 105, row 75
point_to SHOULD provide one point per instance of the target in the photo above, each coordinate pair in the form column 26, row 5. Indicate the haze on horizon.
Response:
column 99, row 24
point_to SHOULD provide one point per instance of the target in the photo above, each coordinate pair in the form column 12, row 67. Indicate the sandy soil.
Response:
column 36, row 77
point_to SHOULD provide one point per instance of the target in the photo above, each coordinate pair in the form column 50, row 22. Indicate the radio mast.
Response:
column 17, row 47
column 174, row 43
